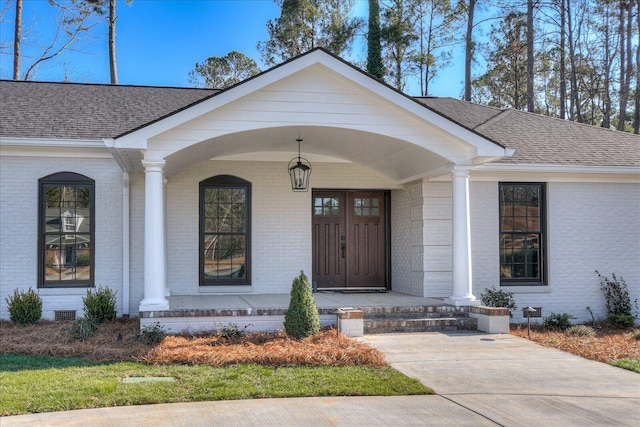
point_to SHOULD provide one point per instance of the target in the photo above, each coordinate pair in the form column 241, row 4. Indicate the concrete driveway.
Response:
column 515, row 382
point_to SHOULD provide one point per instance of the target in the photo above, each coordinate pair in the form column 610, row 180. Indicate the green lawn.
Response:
column 632, row 364
column 42, row 384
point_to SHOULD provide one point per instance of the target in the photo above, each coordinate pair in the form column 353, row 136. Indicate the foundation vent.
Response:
column 61, row 315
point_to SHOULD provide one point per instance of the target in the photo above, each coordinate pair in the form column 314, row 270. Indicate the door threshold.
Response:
column 353, row 290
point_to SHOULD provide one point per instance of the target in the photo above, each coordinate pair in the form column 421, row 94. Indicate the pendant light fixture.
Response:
column 299, row 171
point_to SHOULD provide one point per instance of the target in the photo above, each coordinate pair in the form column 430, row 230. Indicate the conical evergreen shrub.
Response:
column 302, row 318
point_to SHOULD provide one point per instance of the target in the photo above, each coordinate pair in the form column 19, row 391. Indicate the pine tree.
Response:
column 374, row 49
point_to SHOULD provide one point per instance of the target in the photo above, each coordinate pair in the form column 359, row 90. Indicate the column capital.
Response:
column 461, row 172
column 153, row 165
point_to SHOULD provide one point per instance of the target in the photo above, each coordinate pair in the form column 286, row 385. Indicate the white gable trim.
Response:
column 482, row 146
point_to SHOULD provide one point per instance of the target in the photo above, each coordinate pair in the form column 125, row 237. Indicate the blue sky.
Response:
column 159, row 41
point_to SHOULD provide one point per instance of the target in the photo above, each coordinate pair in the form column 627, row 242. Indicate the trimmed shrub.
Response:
column 24, row 307
column 557, row 321
column 581, row 331
column 100, row 305
column 302, row 318
column 492, row 297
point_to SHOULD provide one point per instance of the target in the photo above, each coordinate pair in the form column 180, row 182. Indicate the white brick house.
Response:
column 186, row 193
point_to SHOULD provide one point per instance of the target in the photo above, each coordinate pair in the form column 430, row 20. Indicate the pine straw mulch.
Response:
column 117, row 341
column 605, row 345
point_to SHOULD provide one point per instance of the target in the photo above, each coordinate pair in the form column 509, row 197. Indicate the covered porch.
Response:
column 369, row 146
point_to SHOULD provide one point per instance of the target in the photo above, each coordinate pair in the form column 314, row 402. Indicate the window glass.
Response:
column 66, row 230
column 521, row 233
column 326, row 206
column 366, row 206
column 224, row 230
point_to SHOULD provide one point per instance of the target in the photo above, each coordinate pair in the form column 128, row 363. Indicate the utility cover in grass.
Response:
column 135, row 380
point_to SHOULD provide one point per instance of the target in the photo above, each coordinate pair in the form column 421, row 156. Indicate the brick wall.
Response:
column 590, row 226
column 19, row 227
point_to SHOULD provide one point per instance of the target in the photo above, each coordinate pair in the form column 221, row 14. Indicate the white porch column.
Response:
column 154, row 239
column 462, row 278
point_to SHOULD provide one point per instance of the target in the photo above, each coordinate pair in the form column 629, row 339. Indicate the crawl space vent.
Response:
column 65, row 314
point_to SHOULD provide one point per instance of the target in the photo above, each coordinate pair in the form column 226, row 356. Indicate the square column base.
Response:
column 461, row 302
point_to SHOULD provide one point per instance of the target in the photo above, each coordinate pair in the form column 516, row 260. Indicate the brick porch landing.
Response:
column 383, row 312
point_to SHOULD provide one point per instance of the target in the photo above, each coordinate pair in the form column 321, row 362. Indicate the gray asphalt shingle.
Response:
column 86, row 111
column 540, row 139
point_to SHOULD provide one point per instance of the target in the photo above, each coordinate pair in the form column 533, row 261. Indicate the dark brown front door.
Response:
column 349, row 239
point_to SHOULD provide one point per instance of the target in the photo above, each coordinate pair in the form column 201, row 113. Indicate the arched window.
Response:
column 225, row 231
column 66, row 230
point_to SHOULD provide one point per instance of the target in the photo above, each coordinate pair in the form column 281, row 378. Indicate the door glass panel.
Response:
column 363, row 206
column 326, row 206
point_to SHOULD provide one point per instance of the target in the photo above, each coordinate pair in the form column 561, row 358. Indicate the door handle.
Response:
column 343, row 246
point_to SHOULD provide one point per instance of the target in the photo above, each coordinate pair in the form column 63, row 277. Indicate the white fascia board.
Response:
column 547, row 168
column 48, row 142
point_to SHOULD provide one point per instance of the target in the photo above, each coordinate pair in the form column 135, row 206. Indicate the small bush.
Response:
column 151, row 334
column 100, row 305
column 302, row 318
column 581, row 330
column 231, row 331
column 24, row 307
column 621, row 321
column 557, row 321
column 82, row 329
column 492, row 297
column 617, row 296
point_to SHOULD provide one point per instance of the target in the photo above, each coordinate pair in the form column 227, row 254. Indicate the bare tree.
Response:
column 73, row 23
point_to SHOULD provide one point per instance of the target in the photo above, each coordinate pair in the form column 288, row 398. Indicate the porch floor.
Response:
column 325, row 300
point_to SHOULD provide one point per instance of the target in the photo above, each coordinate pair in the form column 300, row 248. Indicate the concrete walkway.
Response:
column 481, row 380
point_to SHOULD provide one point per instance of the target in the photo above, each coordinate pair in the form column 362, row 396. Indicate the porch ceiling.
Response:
column 399, row 160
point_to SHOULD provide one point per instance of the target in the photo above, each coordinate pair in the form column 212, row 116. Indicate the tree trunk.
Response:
column 574, row 103
column 606, row 102
column 636, row 115
column 625, row 61
column 530, row 56
column 469, row 51
column 16, row 41
column 113, row 71
column 563, row 65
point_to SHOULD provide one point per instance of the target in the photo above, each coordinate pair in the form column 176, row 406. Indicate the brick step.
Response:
column 425, row 324
column 415, row 312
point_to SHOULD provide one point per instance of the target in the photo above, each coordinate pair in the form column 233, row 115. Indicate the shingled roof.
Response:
column 540, row 139
column 93, row 111
column 86, row 111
